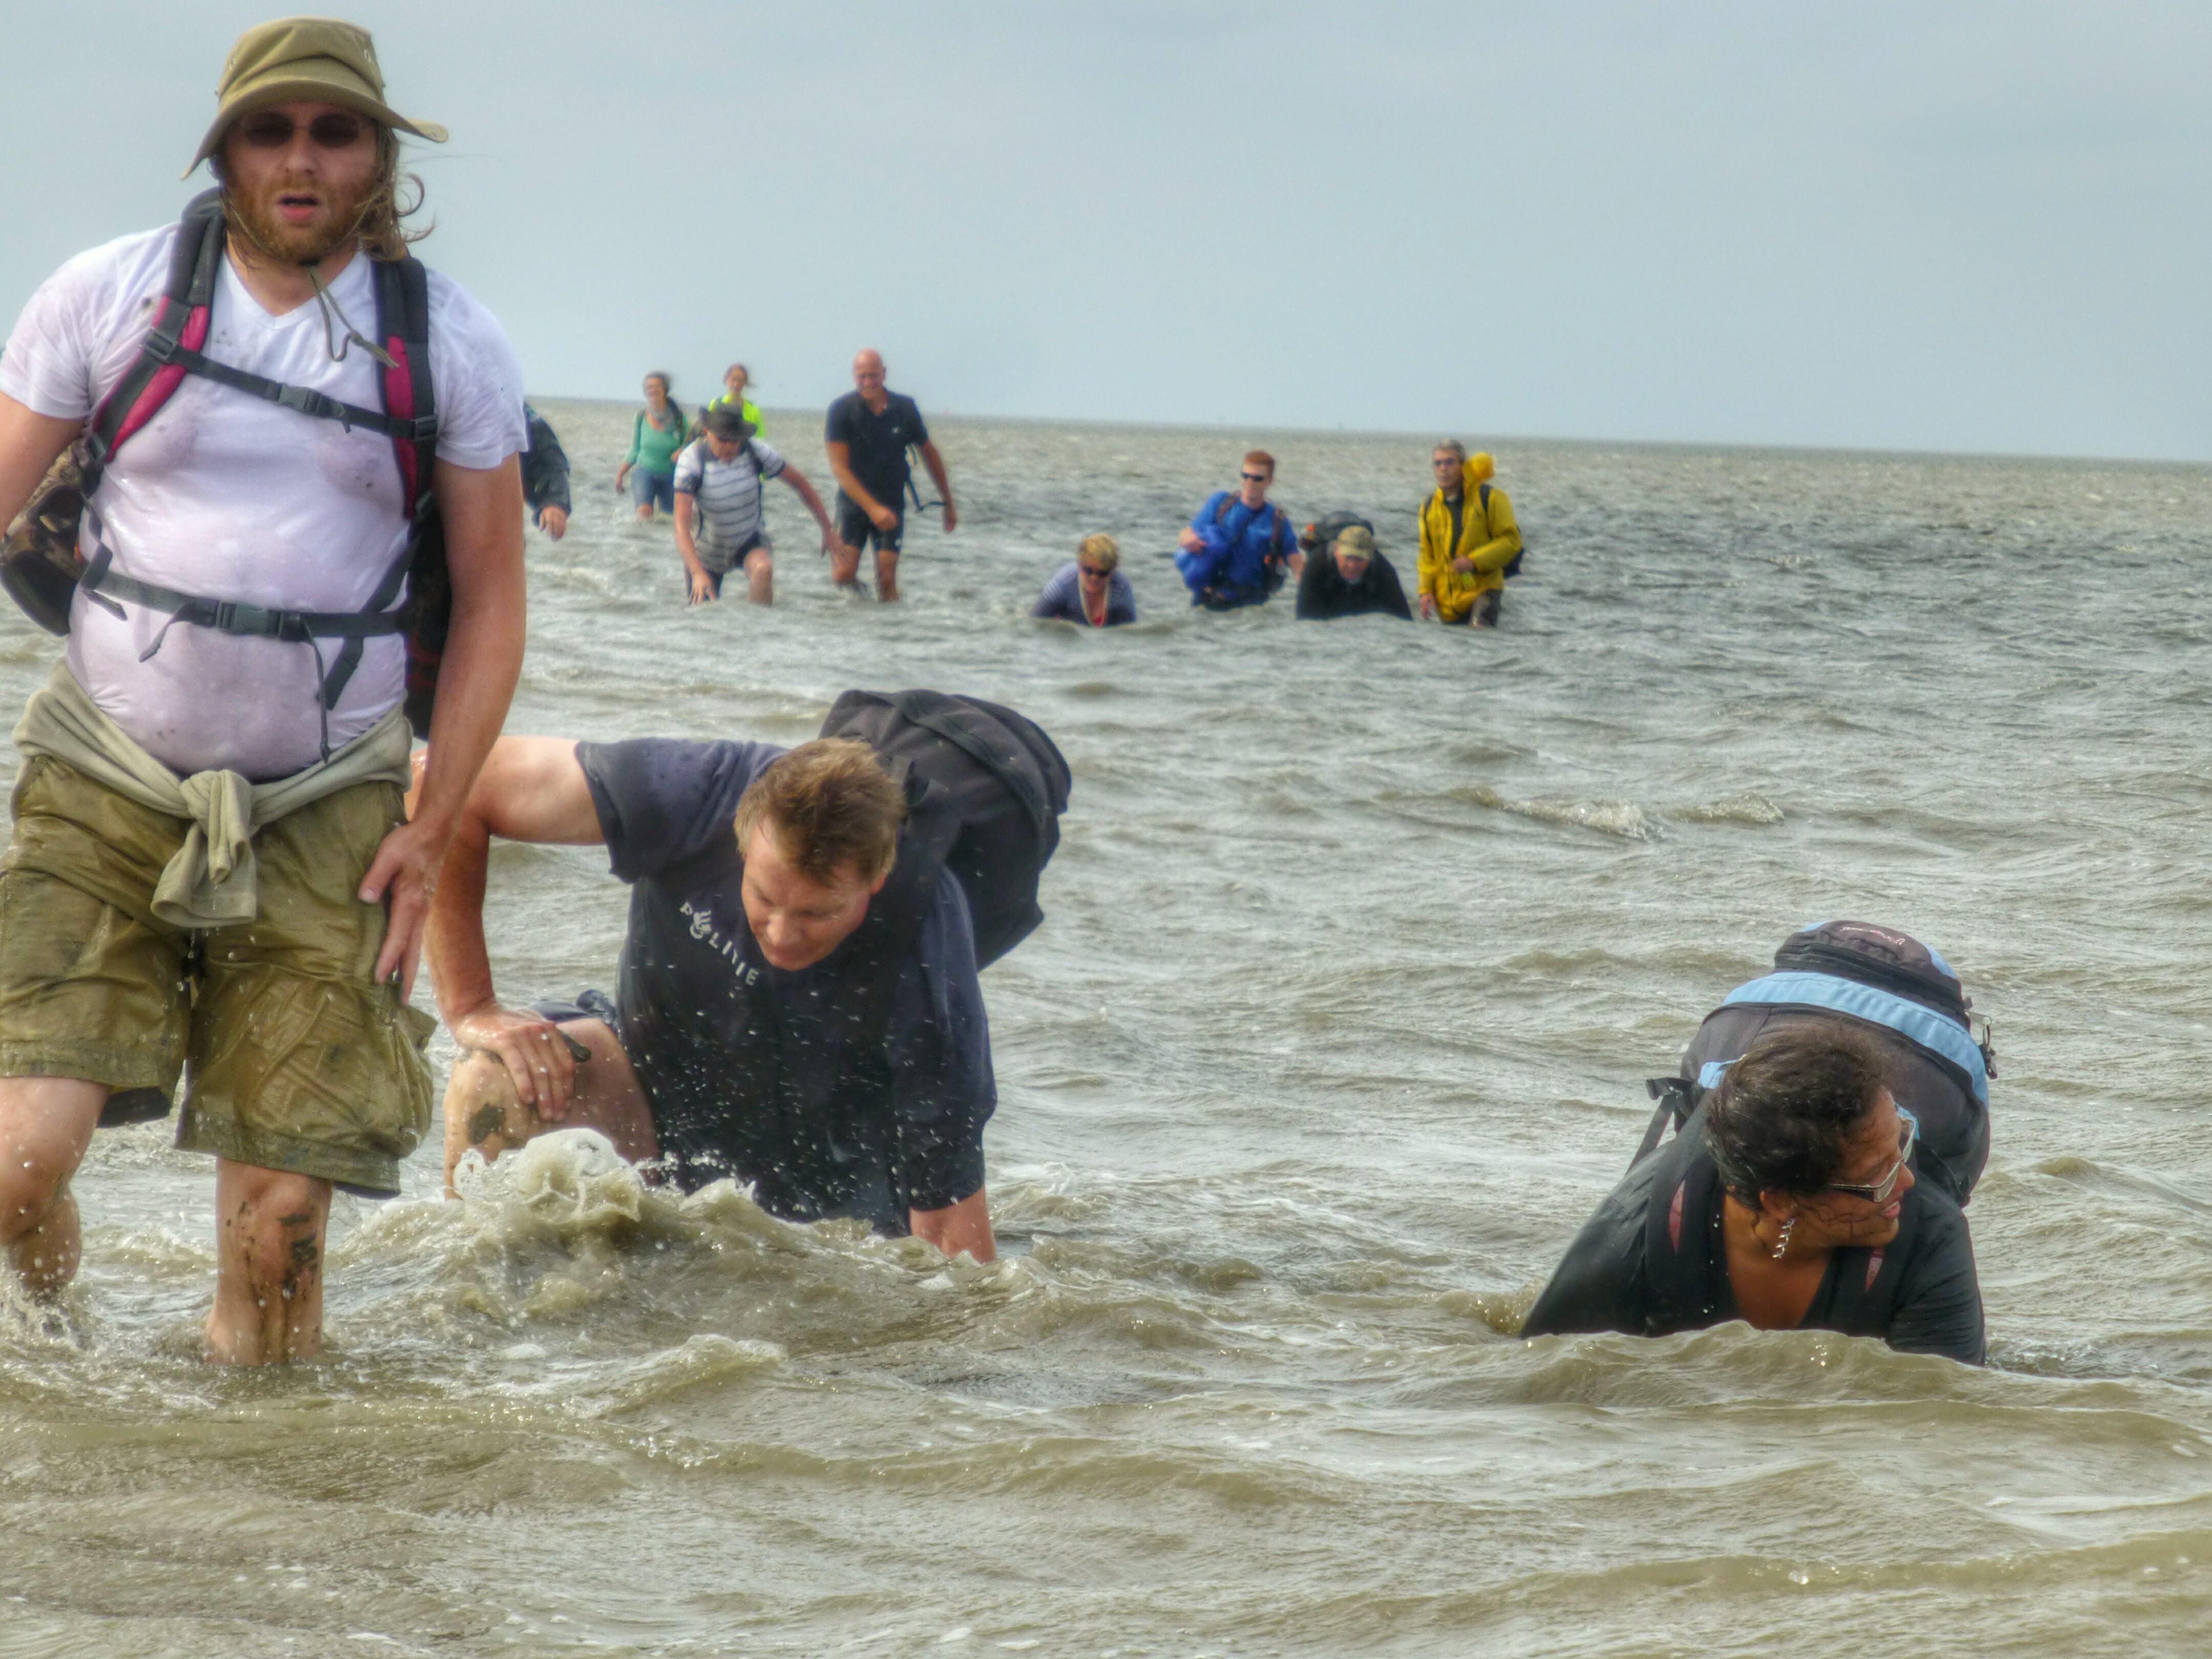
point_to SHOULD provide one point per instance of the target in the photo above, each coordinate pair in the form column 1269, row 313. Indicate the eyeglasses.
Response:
column 1881, row 1191
column 272, row 130
column 1091, row 574
column 1256, row 478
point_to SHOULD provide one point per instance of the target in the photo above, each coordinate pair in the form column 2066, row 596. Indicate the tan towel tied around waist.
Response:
column 213, row 881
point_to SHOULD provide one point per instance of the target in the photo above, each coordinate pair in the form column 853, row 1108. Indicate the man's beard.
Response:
column 301, row 243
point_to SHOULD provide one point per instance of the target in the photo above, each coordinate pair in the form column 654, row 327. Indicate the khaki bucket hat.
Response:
column 295, row 58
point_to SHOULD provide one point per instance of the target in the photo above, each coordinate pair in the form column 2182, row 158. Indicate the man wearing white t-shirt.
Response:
column 212, row 872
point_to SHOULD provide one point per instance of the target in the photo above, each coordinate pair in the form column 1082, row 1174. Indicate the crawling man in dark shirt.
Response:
column 1787, row 1201
column 796, row 1004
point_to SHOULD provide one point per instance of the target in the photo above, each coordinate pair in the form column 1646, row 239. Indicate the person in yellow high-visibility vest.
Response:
column 1468, row 536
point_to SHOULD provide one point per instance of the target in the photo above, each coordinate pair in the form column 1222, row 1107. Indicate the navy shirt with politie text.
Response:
column 666, row 808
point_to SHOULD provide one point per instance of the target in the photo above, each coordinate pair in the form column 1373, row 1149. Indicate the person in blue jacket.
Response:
column 1238, row 548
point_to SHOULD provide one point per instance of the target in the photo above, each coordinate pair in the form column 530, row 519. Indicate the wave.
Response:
column 1748, row 807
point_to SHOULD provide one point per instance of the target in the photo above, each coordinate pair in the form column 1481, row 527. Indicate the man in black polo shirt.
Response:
column 869, row 431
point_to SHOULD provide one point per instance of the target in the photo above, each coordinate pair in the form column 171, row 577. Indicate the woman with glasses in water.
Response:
column 1788, row 1201
column 1092, row 590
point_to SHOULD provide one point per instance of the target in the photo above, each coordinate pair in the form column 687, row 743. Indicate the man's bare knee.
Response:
column 46, row 1125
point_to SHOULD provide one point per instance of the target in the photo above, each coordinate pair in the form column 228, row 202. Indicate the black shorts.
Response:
column 753, row 544
column 855, row 528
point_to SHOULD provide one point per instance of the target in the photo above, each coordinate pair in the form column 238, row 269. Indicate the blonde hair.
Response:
column 828, row 803
column 1100, row 549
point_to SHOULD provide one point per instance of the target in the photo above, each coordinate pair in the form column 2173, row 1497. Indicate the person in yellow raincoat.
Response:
column 1467, row 538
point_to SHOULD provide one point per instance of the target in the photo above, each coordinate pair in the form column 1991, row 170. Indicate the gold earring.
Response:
column 1782, row 1244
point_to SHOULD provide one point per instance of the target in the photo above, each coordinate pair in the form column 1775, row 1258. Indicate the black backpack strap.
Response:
column 305, row 400
column 411, row 420
column 1678, row 1097
column 932, row 828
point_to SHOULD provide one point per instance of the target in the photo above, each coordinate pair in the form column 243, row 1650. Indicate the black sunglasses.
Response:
column 1093, row 572
column 273, row 130
column 1256, row 478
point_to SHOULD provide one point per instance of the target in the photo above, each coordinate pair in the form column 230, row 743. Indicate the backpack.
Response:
column 1512, row 566
column 1319, row 537
column 41, row 564
column 1889, row 985
column 1002, row 780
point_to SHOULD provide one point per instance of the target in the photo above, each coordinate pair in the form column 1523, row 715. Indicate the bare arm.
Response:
column 841, row 463
column 531, row 789
column 701, row 584
column 935, row 463
column 792, row 476
column 29, row 444
column 962, row 1226
column 483, row 512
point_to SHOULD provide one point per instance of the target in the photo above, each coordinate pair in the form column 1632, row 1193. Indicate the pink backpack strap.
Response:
column 181, row 323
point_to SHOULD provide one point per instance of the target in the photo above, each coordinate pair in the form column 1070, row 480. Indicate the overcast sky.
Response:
column 1926, row 226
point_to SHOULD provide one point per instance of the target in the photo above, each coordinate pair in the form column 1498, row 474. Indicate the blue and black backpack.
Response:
column 1887, row 984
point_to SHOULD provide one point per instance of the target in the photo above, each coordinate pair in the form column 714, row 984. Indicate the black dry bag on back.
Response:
column 1889, row 985
column 1005, row 780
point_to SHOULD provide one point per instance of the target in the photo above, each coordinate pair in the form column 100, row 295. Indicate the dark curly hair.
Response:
column 1779, row 1119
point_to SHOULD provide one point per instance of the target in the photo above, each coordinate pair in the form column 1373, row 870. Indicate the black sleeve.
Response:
column 1599, row 1284
column 661, row 800
column 920, row 427
column 836, row 428
column 1393, row 595
column 1310, row 581
column 544, row 468
column 1939, row 1307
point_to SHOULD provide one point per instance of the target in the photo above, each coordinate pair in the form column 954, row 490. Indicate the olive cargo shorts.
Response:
column 297, row 1059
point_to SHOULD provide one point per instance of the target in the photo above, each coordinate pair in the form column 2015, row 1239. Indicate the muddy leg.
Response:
column 269, row 1265
column 483, row 1111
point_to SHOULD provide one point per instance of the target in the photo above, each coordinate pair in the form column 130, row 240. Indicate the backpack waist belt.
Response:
column 234, row 616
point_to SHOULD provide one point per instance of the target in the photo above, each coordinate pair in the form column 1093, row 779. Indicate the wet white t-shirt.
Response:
column 224, row 495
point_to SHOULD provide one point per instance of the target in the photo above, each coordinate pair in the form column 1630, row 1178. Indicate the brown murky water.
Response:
column 1360, row 943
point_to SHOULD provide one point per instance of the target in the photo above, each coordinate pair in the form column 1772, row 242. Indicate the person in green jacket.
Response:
column 659, row 433
column 735, row 379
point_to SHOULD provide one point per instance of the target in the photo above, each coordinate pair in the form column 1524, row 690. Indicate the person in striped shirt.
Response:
column 718, row 518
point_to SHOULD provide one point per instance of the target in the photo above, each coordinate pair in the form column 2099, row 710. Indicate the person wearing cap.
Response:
column 212, row 864
column 1352, row 579
column 719, row 508
column 1465, row 553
